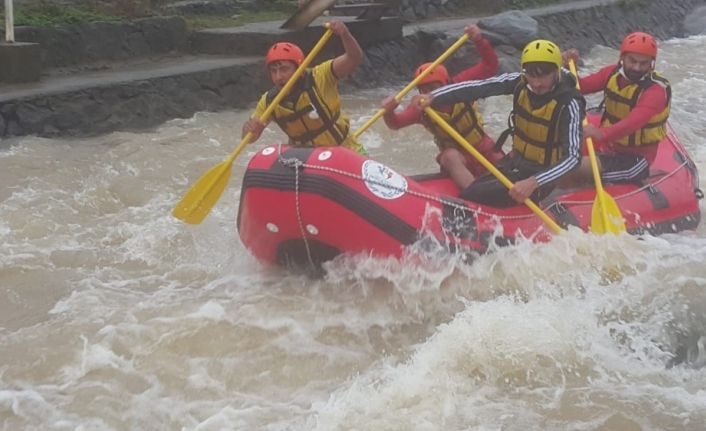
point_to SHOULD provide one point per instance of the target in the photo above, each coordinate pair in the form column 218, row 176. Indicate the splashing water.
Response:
column 118, row 317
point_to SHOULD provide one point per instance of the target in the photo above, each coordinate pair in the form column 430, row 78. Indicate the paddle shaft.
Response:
column 200, row 198
column 284, row 91
column 414, row 83
column 600, row 193
column 489, row 166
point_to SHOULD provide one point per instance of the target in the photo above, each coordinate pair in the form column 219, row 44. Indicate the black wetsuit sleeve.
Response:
column 469, row 91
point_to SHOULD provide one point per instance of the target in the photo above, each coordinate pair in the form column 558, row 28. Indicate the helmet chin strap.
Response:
column 625, row 75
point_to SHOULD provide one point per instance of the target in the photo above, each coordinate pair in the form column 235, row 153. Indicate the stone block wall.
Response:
column 394, row 61
column 71, row 45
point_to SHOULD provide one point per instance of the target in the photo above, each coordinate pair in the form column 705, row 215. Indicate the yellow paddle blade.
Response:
column 202, row 196
column 606, row 218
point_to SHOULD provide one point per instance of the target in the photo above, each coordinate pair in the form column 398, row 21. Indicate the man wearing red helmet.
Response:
column 637, row 102
column 310, row 114
column 461, row 166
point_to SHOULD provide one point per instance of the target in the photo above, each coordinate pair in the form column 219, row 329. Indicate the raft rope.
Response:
column 636, row 191
column 296, row 163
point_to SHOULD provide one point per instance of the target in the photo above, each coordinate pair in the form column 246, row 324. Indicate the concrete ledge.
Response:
column 20, row 62
column 129, row 100
column 255, row 39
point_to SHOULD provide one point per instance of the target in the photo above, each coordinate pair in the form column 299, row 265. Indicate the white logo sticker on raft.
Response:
column 267, row 151
column 382, row 181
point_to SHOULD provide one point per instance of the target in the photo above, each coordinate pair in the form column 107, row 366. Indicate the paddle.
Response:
column 198, row 201
column 489, row 166
column 605, row 214
column 306, row 14
column 414, row 83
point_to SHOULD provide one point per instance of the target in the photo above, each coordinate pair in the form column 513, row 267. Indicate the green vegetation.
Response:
column 200, row 22
column 45, row 13
column 41, row 15
column 261, row 10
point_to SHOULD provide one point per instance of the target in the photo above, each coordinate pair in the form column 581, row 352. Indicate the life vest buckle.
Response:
column 699, row 193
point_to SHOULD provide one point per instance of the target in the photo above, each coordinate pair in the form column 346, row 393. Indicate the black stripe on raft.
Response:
column 336, row 192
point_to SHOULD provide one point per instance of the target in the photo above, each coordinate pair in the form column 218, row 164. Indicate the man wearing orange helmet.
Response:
column 637, row 102
column 310, row 114
column 461, row 166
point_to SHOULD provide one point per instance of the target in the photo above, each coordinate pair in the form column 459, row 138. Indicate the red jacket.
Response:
column 650, row 103
column 487, row 67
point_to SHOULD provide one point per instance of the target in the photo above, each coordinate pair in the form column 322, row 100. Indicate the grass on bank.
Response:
column 48, row 15
column 41, row 13
column 200, row 22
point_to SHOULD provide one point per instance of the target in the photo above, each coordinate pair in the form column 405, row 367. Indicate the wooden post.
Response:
column 9, row 22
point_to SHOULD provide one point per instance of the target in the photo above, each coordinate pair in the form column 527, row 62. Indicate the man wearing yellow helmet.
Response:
column 546, row 125
column 463, row 117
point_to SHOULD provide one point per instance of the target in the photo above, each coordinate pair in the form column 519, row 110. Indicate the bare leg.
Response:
column 581, row 176
column 453, row 162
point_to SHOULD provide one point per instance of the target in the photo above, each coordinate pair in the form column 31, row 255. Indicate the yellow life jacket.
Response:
column 536, row 129
column 619, row 102
column 464, row 119
column 309, row 118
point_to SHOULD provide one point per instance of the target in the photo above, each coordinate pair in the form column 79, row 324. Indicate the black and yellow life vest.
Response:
column 464, row 119
column 535, row 132
column 619, row 102
column 309, row 119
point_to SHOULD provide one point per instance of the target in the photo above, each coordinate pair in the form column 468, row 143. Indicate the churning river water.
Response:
column 116, row 316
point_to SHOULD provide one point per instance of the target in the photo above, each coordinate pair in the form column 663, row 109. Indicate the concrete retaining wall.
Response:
column 146, row 103
column 393, row 62
column 133, row 105
column 74, row 45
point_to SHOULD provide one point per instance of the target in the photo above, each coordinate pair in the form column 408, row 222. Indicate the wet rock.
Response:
column 517, row 28
column 507, row 64
column 71, row 45
column 32, row 117
column 695, row 22
column 14, row 129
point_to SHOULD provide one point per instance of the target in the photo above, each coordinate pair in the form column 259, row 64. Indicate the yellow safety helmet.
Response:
column 541, row 50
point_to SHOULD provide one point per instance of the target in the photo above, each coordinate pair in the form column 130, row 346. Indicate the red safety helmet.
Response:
column 284, row 51
column 639, row 43
column 439, row 74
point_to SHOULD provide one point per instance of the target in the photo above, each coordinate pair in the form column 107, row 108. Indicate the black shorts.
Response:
column 488, row 190
column 617, row 168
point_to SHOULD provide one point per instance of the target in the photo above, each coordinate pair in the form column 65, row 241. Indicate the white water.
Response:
column 115, row 316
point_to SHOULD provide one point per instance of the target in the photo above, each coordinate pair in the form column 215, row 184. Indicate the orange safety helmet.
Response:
column 284, row 51
column 439, row 74
column 639, row 43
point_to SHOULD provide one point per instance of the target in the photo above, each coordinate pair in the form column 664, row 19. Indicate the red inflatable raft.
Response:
column 307, row 205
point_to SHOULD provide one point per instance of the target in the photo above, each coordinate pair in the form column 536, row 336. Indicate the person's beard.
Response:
column 633, row 75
